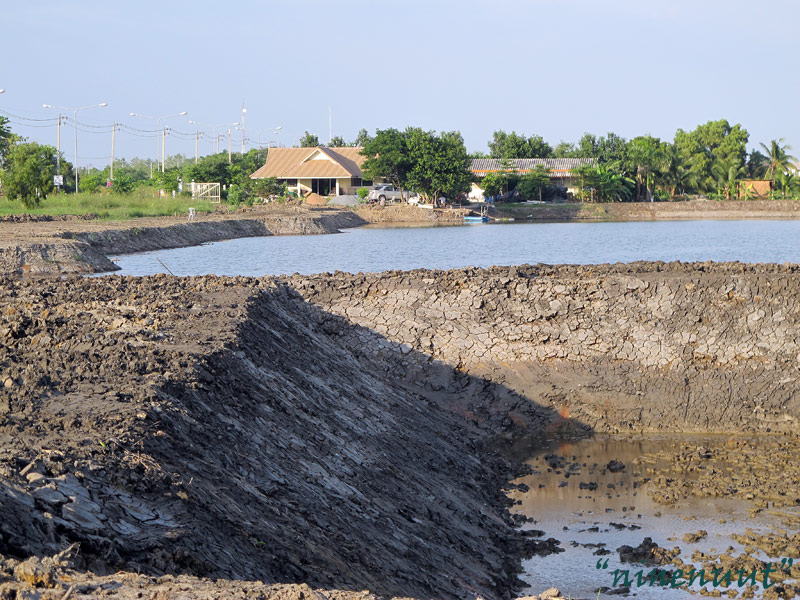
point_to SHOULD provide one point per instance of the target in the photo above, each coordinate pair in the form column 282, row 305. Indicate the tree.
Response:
column 387, row 156
column 605, row 185
column 565, row 150
column 337, row 141
column 492, row 184
column 709, row 143
column 309, row 140
column 777, row 158
column 268, row 186
column 513, row 145
column 727, row 173
column 440, row 163
column 532, row 183
column 646, row 156
column 362, row 138
column 7, row 139
column 676, row 176
column 756, row 165
column 787, row 183
column 27, row 173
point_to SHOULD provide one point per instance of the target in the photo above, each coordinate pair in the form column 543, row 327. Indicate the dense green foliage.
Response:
column 711, row 160
column 513, row 145
column 27, row 173
column 309, row 140
column 434, row 165
column 532, row 184
column 6, row 139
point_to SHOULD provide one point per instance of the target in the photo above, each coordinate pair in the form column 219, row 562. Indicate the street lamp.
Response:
column 276, row 131
column 214, row 129
column 75, row 123
column 163, row 132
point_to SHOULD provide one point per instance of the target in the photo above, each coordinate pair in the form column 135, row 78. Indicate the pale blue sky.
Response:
column 557, row 68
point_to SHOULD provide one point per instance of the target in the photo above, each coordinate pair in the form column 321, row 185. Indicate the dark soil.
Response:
column 212, row 427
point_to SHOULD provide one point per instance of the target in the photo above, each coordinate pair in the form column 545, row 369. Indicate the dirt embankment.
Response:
column 651, row 211
column 404, row 213
column 217, row 428
column 65, row 246
column 643, row 346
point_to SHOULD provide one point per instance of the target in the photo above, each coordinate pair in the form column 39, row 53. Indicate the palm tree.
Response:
column 646, row 157
column 677, row 176
column 727, row 173
column 778, row 158
column 606, row 185
column 787, row 182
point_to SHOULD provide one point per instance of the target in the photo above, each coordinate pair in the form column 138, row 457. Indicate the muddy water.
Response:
column 592, row 524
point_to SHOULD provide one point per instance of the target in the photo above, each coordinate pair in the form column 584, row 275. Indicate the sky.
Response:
column 555, row 68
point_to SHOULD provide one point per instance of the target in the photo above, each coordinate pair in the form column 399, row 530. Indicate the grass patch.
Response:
column 109, row 206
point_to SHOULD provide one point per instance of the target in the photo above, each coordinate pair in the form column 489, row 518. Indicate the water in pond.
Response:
column 592, row 524
column 373, row 249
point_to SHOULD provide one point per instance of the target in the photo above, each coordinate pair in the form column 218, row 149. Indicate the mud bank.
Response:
column 411, row 214
column 638, row 347
column 652, row 211
column 75, row 246
column 217, row 428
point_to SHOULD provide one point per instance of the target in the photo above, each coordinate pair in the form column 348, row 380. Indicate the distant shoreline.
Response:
column 78, row 246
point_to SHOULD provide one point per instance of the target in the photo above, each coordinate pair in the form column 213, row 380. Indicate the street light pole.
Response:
column 244, row 110
column 113, row 132
column 58, row 151
column 75, row 123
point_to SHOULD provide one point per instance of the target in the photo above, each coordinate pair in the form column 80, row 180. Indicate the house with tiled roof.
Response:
column 321, row 170
column 562, row 170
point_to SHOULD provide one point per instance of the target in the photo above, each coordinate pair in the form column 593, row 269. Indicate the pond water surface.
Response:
column 375, row 249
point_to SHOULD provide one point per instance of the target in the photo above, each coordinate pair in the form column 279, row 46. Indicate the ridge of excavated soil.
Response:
column 214, row 427
column 77, row 246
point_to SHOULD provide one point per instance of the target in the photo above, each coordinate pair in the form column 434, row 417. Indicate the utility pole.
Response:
column 75, row 122
column 196, row 146
column 163, row 147
column 330, row 124
column 113, row 133
column 58, row 151
column 230, row 157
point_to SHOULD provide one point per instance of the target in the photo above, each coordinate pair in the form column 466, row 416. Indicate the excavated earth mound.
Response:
column 213, row 427
column 334, row 430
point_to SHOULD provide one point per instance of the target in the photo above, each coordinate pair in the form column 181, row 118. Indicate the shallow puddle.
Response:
column 593, row 506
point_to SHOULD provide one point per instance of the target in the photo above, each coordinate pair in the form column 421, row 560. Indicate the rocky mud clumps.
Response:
column 763, row 470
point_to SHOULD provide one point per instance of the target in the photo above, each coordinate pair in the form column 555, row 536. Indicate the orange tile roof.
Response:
column 294, row 163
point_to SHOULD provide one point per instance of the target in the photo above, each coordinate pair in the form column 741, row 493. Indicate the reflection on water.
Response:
column 375, row 249
column 593, row 523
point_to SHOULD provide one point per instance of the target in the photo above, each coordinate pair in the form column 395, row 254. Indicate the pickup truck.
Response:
column 387, row 193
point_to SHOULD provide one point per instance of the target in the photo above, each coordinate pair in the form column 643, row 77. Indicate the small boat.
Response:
column 483, row 218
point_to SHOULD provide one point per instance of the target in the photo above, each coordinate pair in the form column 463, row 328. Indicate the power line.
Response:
column 15, row 116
